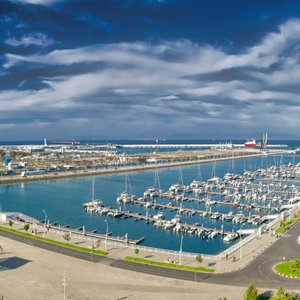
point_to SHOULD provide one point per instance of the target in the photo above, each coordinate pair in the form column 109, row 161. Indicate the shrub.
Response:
column 136, row 251
column 67, row 236
column 199, row 259
column 282, row 294
column 296, row 265
column 11, row 223
column 26, row 227
column 251, row 293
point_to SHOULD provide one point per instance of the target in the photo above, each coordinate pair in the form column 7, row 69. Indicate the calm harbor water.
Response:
column 62, row 201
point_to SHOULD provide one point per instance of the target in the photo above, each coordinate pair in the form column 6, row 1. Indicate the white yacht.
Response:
column 159, row 216
column 230, row 236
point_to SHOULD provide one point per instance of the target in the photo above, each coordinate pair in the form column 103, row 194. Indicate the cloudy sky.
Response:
column 110, row 69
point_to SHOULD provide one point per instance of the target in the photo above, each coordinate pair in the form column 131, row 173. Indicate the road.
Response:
column 259, row 271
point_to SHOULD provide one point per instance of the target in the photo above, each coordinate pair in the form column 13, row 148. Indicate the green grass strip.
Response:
column 280, row 230
column 289, row 268
column 297, row 215
column 167, row 265
column 284, row 225
column 67, row 245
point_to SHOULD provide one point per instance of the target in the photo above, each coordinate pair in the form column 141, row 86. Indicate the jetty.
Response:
column 62, row 230
column 183, row 146
column 150, row 219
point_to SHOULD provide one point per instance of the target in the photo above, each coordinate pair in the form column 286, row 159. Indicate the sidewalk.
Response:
column 235, row 261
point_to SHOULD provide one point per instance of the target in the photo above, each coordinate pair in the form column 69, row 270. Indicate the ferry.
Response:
column 251, row 144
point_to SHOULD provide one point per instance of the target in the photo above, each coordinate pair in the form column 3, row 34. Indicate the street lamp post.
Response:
column 180, row 250
column 241, row 248
column 106, row 235
column 45, row 220
column 64, row 285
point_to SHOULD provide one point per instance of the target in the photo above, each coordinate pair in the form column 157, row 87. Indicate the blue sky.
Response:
column 110, row 69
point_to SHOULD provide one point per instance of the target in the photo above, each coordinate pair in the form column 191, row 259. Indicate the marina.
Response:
column 149, row 150
column 211, row 213
column 256, row 214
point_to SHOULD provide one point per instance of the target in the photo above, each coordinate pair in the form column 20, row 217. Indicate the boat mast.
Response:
column 199, row 175
column 93, row 190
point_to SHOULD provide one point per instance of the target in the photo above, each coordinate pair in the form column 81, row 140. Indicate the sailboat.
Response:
column 156, row 190
column 125, row 197
column 95, row 205
column 177, row 187
column 198, row 184
column 230, row 174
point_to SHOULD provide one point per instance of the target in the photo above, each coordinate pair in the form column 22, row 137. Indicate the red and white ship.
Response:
column 251, row 144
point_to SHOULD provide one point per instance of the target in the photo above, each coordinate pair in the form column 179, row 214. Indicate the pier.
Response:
column 62, row 230
column 150, row 219
column 182, row 146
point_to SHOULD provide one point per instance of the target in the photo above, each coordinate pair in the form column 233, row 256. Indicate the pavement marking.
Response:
column 287, row 235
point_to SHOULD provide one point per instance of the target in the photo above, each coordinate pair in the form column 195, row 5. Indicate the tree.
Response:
column 26, row 227
column 136, row 251
column 292, row 296
column 282, row 294
column 251, row 293
column 199, row 259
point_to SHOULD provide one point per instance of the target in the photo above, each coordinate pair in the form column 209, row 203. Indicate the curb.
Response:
column 287, row 276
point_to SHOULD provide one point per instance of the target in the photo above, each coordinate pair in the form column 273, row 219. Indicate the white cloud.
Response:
column 140, row 82
column 37, row 39
column 192, row 58
column 38, row 2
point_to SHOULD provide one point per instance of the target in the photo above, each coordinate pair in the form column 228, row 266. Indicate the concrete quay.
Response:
column 118, row 249
column 205, row 158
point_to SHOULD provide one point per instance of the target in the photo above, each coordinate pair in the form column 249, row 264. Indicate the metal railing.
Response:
column 121, row 243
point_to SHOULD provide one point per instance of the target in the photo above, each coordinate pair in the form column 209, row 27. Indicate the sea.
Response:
column 62, row 199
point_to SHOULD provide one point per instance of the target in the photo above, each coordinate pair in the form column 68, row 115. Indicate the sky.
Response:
column 174, row 69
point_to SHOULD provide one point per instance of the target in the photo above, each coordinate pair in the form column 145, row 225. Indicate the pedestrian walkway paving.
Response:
column 233, row 262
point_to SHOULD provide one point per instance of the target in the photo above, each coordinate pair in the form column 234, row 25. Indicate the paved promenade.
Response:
column 35, row 273
column 235, row 261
